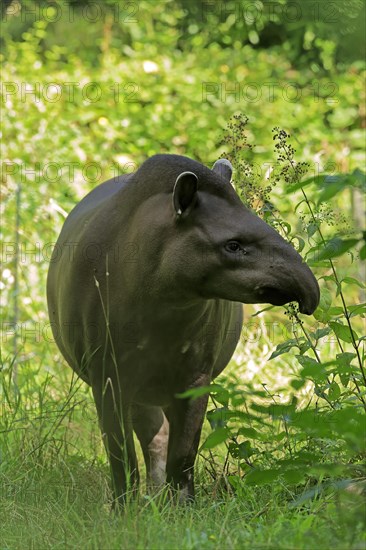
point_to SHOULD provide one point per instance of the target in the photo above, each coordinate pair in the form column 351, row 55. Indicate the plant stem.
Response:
column 346, row 314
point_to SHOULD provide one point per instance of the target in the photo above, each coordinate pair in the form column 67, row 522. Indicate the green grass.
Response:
column 64, row 505
column 55, row 494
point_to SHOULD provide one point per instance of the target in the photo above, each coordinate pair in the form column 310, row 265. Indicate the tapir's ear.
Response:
column 224, row 168
column 185, row 192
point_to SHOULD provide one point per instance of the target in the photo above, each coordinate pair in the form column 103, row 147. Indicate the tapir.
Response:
column 145, row 291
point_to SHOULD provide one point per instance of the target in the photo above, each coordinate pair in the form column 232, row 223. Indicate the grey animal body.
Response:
column 145, row 292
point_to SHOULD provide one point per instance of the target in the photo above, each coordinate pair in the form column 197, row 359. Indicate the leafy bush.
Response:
column 323, row 438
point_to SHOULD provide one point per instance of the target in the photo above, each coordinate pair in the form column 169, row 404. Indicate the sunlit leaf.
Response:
column 343, row 332
column 333, row 185
column 311, row 229
column 353, row 281
column 284, row 347
column 215, row 438
column 202, row 390
column 333, row 248
column 302, row 184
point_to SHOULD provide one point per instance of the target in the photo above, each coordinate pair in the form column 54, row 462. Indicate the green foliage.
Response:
column 301, row 444
column 307, row 32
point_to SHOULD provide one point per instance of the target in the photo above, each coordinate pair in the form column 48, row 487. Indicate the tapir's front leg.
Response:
column 185, row 423
column 116, row 426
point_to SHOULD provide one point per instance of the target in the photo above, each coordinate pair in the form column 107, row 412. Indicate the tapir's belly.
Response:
column 153, row 378
column 153, row 372
column 156, row 362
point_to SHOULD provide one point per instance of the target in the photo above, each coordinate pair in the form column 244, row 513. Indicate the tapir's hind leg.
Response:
column 152, row 430
column 116, row 426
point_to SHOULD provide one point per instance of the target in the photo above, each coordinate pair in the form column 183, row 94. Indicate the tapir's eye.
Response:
column 232, row 246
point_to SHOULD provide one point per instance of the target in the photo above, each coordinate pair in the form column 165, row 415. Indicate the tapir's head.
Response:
column 215, row 247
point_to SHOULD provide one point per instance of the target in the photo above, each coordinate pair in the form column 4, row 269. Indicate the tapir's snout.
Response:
column 310, row 302
column 308, row 298
column 306, row 288
column 284, row 277
column 298, row 285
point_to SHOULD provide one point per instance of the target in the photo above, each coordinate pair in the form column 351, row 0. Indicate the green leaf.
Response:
column 201, row 390
column 284, row 347
column 363, row 252
column 343, row 332
column 358, row 179
column 320, row 333
column 219, row 417
column 261, row 477
column 311, row 368
column 215, row 438
column 349, row 424
column 300, row 243
column 313, row 422
column 335, row 247
column 357, row 309
column 325, row 299
column 336, row 310
column 286, row 226
column 322, row 316
column 353, row 281
column 321, row 313
column 235, row 482
column 353, row 309
column 277, row 411
column 298, row 383
column 222, row 397
column 310, row 494
column 294, row 476
column 333, row 185
column 343, row 117
column 306, row 361
column 245, row 450
column 304, row 346
column 311, row 229
column 278, row 437
column 249, row 432
column 302, row 184
column 334, row 391
column 344, row 368
column 344, row 359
